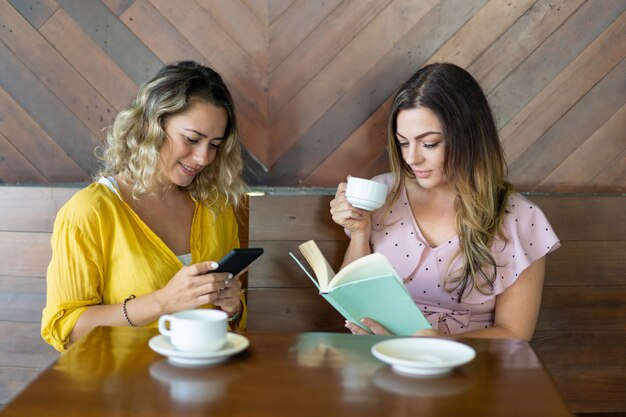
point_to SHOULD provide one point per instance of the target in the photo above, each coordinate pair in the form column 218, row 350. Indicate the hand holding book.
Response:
column 368, row 287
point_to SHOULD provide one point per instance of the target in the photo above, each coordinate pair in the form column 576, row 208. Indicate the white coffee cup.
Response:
column 200, row 330
column 366, row 194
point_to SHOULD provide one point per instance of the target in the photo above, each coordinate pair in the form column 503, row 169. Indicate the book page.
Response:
column 373, row 265
column 322, row 269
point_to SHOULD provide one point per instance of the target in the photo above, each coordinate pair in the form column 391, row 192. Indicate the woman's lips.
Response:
column 422, row 174
column 188, row 170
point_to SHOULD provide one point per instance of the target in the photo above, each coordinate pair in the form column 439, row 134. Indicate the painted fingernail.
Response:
column 214, row 265
column 230, row 276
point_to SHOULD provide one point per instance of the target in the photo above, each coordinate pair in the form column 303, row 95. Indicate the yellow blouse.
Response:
column 102, row 252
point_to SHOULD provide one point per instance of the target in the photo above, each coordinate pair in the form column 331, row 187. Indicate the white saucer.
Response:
column 235, row 343
column 419, row 356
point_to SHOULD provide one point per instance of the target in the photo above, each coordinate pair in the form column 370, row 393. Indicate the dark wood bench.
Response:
column 580, row 335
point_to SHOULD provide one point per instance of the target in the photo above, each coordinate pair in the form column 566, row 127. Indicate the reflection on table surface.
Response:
column 113, row 372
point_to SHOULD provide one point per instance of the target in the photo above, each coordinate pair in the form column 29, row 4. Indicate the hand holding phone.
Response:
column 237, row 260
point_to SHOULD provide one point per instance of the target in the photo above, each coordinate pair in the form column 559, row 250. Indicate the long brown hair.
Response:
column 474, row 165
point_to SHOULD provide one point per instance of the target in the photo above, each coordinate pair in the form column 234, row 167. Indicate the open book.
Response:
column 368, row 287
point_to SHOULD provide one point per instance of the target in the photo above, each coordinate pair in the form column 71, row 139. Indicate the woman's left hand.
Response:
column 376, row 328
column 228, row 297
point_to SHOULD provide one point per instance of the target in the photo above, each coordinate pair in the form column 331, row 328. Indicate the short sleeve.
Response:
column 530, row 237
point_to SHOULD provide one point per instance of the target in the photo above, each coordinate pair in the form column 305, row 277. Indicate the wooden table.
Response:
column 113, row 372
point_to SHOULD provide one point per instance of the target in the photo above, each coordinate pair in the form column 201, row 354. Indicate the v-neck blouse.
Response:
column 422, row 267
column 102, row 252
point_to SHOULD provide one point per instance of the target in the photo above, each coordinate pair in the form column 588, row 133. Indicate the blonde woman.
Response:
column 470, row 250
column 142, row 240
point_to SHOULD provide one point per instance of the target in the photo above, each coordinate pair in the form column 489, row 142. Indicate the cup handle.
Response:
column 163, row 320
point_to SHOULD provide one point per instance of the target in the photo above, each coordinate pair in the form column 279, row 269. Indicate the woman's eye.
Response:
column 403, row 144
column 214, row 145
column 192, row 141
column 431, row 145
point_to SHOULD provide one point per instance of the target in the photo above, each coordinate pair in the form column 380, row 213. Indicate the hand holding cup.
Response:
column 366, row 194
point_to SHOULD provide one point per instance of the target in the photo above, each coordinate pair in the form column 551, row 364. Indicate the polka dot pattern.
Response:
column 422, row 267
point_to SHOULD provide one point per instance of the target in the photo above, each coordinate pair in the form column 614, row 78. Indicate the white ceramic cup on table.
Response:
column 366, row 194
column 199, row 330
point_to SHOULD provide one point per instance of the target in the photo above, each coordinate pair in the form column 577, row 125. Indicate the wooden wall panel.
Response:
column 312, row 80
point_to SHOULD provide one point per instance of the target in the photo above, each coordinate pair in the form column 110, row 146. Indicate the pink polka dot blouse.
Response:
column 422, row 267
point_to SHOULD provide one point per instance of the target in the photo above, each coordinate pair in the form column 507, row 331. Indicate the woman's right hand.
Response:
column 192, row 286
column 344, row 214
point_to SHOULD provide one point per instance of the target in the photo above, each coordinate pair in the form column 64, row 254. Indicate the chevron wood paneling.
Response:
column 313, row 80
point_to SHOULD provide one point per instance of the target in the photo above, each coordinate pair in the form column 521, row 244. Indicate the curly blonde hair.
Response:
column 474, row 164
column 137, row 134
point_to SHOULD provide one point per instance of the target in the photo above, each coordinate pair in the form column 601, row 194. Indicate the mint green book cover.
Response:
column 384, row 299
column 368, row 287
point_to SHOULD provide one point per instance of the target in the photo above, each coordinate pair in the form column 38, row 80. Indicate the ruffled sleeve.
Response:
column 530, row 237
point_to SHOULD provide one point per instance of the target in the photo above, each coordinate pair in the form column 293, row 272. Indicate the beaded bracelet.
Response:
column 130, row 297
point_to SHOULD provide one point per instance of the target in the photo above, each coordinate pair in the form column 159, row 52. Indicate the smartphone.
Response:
column 237, row 260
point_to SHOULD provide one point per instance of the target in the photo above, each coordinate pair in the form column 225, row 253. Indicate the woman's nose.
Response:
column 413, row 154
column 202, row 155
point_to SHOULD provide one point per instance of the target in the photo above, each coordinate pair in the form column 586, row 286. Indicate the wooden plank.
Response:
column 47, row 110
column 472, row 40
column 327, row 40
column 341, row 76
column 276, row 8
column 55, row 72
column 550, row 150
column 93, row 63
column 612, row 178
column 548, row 106
column 31, row 209
column 114, row 38
column 118, row 7
column 149, row 25
column 246, row 29
column 297, row 22
column 21, row 345
column 585, row 217
column 517, row 89
column 587, row 263
column 14, row 167
column 258, row 9
column 365, row 145
column 291, row 217
column 530, row 31
column 591, row 157
column 357, row 97
column 286, row 310
column 22, row 299
column 25, row 254
column 37, row 13
column 589, row 384
column 35, row 147
column 577, row 308
column 158, row 34
column 218, row 48
column 267, row 11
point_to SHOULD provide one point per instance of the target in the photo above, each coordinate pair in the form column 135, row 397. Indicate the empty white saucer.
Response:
column 235, row 343
column 421, row 356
